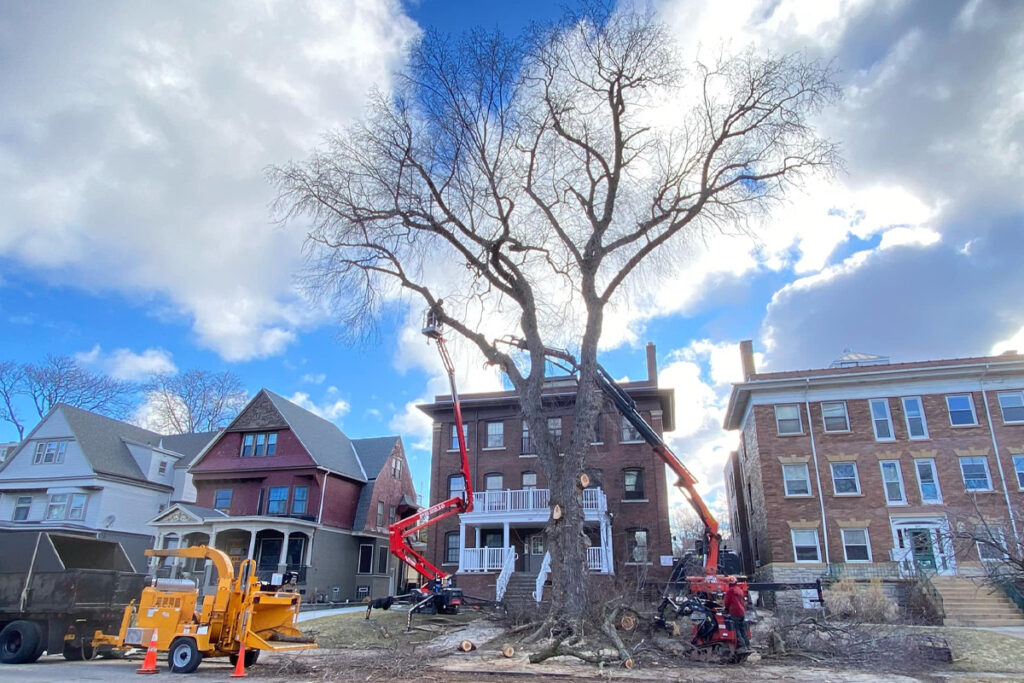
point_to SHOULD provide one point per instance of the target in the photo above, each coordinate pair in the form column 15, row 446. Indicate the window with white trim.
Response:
column 1018, row 468
column 928, row 480
column 787, row 419
column 633, row 485
column 881, row 419
column 493, row 482
column 628, row 433
column 396, row 468
column 975, row 474
column 456, row 486
column 991, row 543
column 50, row 452
column 76, row 508
column 495, row 435
column 913, row 412
column 454, row 444
column 365, row 559
column 856, row 547
column 961, row 410
column 57, row 506
column 1012, row 405
column 805, row 545
column 380, row 513
column 845, row 479
column 796, row 480
column 529, row 480
column 527, row 442
column 892, row 482
column 555, row 427
column 834, row 417
column 22, row 505
column 636, row 545
column 451, row 547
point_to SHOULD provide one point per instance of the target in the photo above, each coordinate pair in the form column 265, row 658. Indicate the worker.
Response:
column 737, row 612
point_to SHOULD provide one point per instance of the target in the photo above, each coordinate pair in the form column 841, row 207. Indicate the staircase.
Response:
column 520, row 590
column 974, row 603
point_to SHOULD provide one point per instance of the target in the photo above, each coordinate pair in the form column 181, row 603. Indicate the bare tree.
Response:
column 60, row 379
column 193, row 401
column 12, row 383
column 534, row 180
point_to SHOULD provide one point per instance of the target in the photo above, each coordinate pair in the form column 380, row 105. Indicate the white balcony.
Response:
column 528, row 505
column 599, row 559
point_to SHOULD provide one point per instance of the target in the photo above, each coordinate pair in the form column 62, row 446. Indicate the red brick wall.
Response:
column 389, row 490
column 245, row 488
column 226, row 454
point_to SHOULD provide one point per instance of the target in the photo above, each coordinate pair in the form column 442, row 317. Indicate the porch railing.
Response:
column 529, row 500
column 542, row 576
column 506, row 574
column 477, row 560
column 596, row 559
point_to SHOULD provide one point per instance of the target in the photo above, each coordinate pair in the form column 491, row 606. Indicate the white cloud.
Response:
column 316, row 378
column 329, row 410
column 125, row 364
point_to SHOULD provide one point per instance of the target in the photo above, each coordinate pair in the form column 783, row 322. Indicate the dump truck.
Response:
column 57, row 589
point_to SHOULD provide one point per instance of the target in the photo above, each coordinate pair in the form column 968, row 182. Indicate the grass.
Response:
column 384, row 629
column 978, row 650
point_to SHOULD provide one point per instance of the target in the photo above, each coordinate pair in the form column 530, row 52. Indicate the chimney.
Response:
column 652, row 364
column 747, row 357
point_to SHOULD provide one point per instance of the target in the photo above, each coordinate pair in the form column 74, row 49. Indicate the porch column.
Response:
column 462, row 541
column 252, row 545
column 505, row 543
column 208, row 568
column 154, row 562
column 309, row 547
column 282, row 561
column 477, row 537
column 606, row 542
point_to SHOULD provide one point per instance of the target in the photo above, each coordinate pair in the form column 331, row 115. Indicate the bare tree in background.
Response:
column 533, row 179
column 12, row 383
column 193, row 401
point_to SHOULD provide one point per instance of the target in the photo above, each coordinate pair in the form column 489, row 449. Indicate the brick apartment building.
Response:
column 864, row 468
column 626, row 506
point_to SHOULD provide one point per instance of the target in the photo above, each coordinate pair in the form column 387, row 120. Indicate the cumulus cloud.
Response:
column 125, row 364
column 315, row 378
column 329, row 409
column 138, row 165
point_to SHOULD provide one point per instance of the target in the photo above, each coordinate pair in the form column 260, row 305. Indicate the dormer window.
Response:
column 259, row 444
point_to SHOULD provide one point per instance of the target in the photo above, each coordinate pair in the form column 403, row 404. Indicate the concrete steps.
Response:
column 520, row 590
column 973, row 603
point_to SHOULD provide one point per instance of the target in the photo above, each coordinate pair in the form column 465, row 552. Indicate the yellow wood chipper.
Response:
column 241, row 610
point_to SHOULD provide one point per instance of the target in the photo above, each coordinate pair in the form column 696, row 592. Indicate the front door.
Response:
column 920, row 543
column 270, row 554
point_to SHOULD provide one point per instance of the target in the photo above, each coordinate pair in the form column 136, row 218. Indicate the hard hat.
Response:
column 730, row 580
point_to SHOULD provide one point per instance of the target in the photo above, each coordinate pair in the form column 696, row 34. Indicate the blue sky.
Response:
column 135, row 231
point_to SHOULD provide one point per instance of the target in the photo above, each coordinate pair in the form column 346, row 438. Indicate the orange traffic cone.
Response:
column 149, row 663
column 240, row 662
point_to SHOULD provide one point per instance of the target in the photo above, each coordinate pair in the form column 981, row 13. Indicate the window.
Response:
column 892, row 481
column 1018, row 467
column 1012, row 405
column 805, row 545
column 990, row 543
column 529, row 480
column 555, row 427
column 22, row 505
column 57, row 507
column 365, row 559
column 881, row 420
column 636, row 545
column 796, row 479
column 77, row 508
column 380, row 513
column 928, row 480
column 527, row 444
column 454, row 445
column 50, row 452
column 396, row 468
column 259, row 444
column 493, row 482
column 787, row 419
column 961, row 410
column 845, row 481
column 392, row 514
column 629, row 432
column 913, row 410
column 382, row 560
column 855, row 545
column 162, row 469
column 633, row 485
column 834, row 417
column 451, row 547
column 299, row 500
column 975, row 473
column 277, row 501
column 495, row 434
column 456, row 486
column 537, row 544
column 596, row 438
column 222, row 500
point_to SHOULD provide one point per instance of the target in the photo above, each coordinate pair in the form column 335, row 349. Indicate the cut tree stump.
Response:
column 467, row 646
column 508, row 651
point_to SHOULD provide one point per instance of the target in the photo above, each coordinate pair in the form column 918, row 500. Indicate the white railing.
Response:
column 530, row 500
column 506, row 574
column 482, row 559
column 542, row 576
column 596, row 559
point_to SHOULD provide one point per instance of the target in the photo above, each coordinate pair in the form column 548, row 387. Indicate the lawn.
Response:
column 384, row 629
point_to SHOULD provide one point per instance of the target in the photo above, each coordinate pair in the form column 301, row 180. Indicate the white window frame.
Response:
column 522, row 480
column 824, row 421
column 1019, row 395
column 555, row 429
column 856, row 477
column 935, row 477
column 1018, row 469
column 54, row 450
column 799, row 419
column 997, row 536
column 817, row 545
column 452, row 491
column 53, row 504
column 867, row 543
column 907, row 416
column 489, row 477
column 18, row 504
column 453, row 443
column 807, row 478
column 988, row 472
column 887, row 418
column 77, row 501
column 359, row 559
column 495, row 435
column 970, row 404
column 628, row 433
column 899, row 479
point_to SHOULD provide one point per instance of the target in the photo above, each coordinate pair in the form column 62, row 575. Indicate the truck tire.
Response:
column 250, row 658
column 183, row 656
column 76, row 653
column 21, row 642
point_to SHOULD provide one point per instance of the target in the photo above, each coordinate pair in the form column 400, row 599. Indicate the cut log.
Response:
column 628, row 622
column 508, row 651
column 467, row 646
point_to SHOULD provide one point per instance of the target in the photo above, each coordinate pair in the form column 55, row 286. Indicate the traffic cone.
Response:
column 240, row 662
column 149, row 663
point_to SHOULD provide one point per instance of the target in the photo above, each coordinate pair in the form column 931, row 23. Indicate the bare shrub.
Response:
column 849, row 600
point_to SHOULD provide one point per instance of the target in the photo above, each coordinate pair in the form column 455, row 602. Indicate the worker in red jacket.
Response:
column 736, row 610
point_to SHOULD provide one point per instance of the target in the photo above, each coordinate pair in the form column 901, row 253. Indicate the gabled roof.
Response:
column 324, row 441
column 374, row 453
column 189, row 445
column 102, row 440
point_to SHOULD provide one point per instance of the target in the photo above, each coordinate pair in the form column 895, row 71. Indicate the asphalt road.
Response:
column 56, row 668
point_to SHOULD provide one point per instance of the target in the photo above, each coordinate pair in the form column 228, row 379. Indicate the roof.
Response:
column 362, row 508
column 373, row 452
column 880, row 373
column 323, row 440
column 102, row 440
column 189, row 445
column 200, row 511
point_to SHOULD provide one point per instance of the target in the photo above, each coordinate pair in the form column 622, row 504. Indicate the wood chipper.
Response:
column 242, row 610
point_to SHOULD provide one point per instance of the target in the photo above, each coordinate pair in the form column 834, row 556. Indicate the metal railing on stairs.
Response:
column 542, row 576
column 506, row 573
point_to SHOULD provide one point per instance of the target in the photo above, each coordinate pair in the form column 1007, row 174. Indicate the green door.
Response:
column 920, row 541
